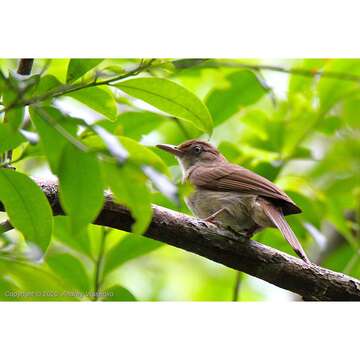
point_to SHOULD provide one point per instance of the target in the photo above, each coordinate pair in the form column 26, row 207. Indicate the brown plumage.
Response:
column 232, row 196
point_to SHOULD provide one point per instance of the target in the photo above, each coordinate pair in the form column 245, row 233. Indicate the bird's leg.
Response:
column 214, row 215
column 250, row 232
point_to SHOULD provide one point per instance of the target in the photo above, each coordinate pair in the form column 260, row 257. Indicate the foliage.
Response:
column 94, row 123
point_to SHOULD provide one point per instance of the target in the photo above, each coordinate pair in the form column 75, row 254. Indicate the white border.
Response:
column 187, row 28
column 179, row 331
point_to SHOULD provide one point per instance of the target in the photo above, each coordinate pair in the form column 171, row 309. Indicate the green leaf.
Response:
column 14, row 116
column 9, row 138
column 351, row 112
column 230, row 151
column 96, row 234
column 81, row 187
column 70, row 270
column 336, row 215
column 98, row 99
column 139, row 154
column 31, row 136
column 333, row 90
column 115, row 69
column 6, row 289
column 137, row 124
column 27, row 207
column 243, row 89
column 304, row 84
column 130, row 247
column 170, row 98
column 45, row 119
column 34, row 281
column 312, row 209
column 128, row 184
column 79, row 67
column 2, row 82
column 113, row 144
column 30, row 84
column 301, row 153
column 46, row 84
column 338, row 260
column 18, row 88
column 62, row 232
column 162, row 183
column 118, row 293
column 58, row 68
column 270, row 171
column 149, row 162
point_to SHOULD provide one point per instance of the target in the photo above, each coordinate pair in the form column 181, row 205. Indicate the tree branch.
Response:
column 296, row 71
column 67, row 89
column 25, row 66
column 205, row 239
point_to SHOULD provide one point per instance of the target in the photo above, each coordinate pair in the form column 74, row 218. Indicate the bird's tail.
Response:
column 279, row 221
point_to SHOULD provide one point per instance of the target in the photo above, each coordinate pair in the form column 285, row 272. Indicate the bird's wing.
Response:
column 235, row 178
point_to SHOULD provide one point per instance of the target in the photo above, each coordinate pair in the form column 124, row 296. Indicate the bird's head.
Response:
column 194, row 152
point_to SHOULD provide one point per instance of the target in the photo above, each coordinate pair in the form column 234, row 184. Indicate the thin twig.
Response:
column 296, row 71
column 237, row 286
column 98, row 266
column 65, row 90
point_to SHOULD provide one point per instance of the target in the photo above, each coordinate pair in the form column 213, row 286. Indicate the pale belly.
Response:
column 242, row 212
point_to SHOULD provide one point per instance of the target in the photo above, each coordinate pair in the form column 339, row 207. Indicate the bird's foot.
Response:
column 248, row 233
column 212, row 217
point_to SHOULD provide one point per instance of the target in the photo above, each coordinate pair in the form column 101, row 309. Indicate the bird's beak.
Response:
column 171, row 149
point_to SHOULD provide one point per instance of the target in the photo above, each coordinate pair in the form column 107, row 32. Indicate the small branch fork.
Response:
column 240, row 253
column 67, row 89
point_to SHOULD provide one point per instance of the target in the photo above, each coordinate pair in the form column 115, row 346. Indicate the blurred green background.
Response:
column 296, row 122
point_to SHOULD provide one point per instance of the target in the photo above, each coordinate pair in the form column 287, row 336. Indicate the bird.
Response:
column 231, row 196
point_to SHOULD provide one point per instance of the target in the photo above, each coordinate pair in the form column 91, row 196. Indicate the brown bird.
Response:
column 232, row 196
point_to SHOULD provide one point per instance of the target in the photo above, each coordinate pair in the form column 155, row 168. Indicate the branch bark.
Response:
column 205, row 239
column 25, row 66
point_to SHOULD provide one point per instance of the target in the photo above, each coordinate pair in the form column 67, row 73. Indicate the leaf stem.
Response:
column 237, row 286
column 98, row 266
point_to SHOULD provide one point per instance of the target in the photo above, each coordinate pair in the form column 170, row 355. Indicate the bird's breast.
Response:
column 238, row 207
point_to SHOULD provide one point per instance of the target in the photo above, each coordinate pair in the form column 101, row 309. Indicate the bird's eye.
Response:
column 197, row 149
